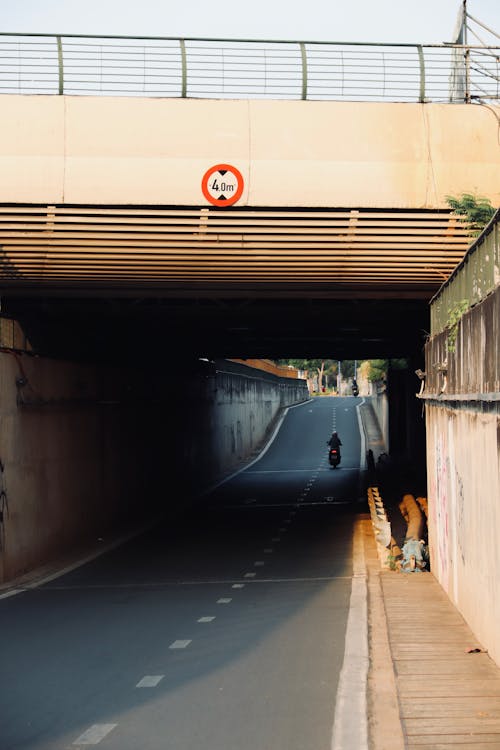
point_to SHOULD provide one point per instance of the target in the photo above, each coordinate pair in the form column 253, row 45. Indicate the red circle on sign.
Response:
column 221, row 191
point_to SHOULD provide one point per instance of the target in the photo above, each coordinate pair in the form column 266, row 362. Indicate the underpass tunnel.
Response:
column 127, row 410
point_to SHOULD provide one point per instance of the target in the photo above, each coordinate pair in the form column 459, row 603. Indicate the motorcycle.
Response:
column 334, row 457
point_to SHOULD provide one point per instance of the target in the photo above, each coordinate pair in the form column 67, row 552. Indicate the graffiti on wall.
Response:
column 442, row 511
column 461, row 532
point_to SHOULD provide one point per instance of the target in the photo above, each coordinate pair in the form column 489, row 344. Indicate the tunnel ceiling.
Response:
column 110, row 329
column 104, row 282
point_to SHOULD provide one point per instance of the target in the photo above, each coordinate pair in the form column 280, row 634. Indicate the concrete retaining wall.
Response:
column 73, row 459
column 380, row 406
column 231, row 410
column 86, row 450
column 463, row 468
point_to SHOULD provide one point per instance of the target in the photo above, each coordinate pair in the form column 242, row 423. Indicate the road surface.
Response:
column 224, row 629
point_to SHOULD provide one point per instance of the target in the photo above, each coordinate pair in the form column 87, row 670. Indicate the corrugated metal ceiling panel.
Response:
column 88, row 246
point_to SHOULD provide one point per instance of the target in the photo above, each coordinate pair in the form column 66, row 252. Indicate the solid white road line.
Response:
column 27, row 584
column 150, row 680
column 362, row 458
column 94, row 734
column 350, row 730
column 209, row 490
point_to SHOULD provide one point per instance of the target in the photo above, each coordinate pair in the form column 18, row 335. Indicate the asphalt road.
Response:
column 225, row 629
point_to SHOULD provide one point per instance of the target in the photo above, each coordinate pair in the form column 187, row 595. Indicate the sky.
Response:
column 400, row 21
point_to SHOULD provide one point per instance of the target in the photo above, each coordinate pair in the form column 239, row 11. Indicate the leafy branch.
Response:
column 475, row 210
column 455, row 314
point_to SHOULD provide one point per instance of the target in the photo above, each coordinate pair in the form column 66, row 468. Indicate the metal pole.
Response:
column 182, row 44
column 60, row 65
column 303, row 55
column 467, row 53
column 421, row 62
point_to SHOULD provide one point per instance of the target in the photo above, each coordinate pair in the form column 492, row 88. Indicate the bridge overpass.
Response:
column 330, row 237
column 340, row 212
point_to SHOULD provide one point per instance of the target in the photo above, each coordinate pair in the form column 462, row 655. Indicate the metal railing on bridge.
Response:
column 474, row 278
column 250, row 69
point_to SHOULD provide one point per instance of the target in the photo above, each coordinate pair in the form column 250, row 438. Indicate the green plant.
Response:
column 455, row 314
column 378, row 369
column 476, row 210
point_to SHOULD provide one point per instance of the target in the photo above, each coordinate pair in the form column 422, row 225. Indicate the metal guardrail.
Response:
column 250, row 69
column 473, row 279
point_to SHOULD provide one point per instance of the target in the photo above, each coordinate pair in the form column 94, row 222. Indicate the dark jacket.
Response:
column 335, row 441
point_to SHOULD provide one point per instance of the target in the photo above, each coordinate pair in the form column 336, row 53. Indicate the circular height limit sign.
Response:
column 222, row 185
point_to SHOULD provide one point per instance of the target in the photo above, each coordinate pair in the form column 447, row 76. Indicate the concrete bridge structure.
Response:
column 345, row 156
column 341, row 202
column 119, row 255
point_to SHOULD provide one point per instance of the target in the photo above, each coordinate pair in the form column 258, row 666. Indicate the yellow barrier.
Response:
column 269, row 366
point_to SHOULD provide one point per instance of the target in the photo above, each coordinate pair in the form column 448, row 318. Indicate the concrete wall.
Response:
column 463, row 468
column 380, row 406
column 119, row 150
column 85, row 451
column 231, row 409
column 73, row 458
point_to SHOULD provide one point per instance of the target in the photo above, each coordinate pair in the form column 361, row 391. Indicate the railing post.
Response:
column 304, row 69
column 184, row 68
column 467, row 76
column 60, row 63
column 421, row 61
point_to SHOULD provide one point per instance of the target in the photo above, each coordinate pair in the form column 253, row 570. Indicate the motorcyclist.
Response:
column 335, row 441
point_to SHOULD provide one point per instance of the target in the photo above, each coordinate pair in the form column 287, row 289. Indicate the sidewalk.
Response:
column 426, row 689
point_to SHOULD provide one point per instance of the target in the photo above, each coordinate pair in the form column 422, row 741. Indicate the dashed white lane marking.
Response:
column 276, row 539
column 150, row 680
column 179, row 644
column 94, row 734
column 250, row 575
column 238, row 586
column 224, row 601
column 206, row 619
column 268, row 551
column 259, row 563
column 350, row 730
